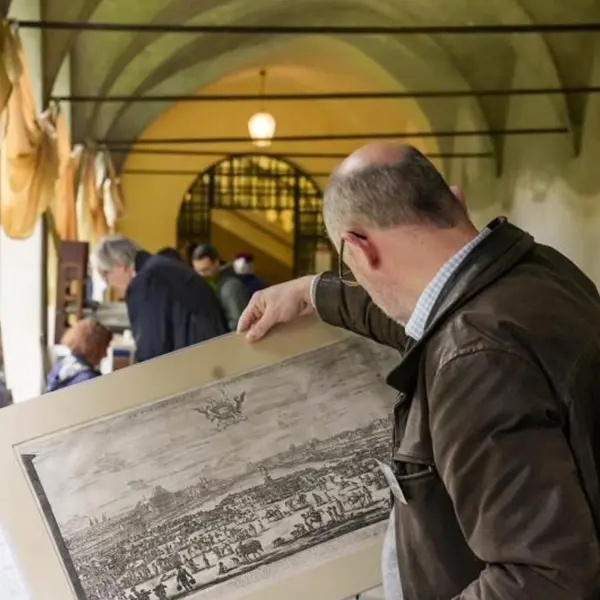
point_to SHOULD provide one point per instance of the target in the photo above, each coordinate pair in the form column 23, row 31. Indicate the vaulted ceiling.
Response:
column 153, row 63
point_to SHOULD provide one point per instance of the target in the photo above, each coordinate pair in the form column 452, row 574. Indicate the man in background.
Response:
column 231, row 291
column 169, row 306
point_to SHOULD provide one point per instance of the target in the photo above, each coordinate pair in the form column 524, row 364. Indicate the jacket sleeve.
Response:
column 501, row 452
column 351, row 308
column 150, row 316
column 234, row 298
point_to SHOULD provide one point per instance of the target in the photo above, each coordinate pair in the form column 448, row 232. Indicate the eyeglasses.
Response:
column 344, row 273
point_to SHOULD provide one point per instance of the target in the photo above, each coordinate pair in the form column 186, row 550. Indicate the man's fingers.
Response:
column 260, row 327
column 250, row 315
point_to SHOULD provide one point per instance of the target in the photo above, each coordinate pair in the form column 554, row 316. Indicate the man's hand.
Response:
column 277, row 304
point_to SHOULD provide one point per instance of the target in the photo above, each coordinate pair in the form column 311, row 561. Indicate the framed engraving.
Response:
column 224, row 470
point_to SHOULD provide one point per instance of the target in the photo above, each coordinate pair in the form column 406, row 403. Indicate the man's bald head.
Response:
column 373, row 154
column 384, row 185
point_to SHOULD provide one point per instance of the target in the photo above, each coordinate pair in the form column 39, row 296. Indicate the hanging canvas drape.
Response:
column 112, row 192
column 92, row 197
column 64, row 207
column 29, row 156
column 8, row 66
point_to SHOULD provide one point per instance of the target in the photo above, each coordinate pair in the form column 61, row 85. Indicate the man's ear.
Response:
column 363, row 244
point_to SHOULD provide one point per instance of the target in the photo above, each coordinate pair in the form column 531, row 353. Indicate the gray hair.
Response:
column 115, row 250
column 408, row 191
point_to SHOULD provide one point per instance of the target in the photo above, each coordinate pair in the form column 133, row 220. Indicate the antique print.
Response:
column 173, row 499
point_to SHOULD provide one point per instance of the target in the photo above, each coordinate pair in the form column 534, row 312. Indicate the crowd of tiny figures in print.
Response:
column 167, row 548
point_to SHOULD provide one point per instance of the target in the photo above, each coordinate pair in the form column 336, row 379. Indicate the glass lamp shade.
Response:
column 261, row 128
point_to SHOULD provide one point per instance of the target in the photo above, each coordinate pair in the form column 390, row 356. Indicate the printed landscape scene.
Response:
column 186, row 493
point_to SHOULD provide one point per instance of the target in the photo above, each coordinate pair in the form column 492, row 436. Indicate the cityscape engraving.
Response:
column 177, row 497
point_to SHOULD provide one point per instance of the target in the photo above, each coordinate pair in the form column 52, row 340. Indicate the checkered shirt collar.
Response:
column 415, row 327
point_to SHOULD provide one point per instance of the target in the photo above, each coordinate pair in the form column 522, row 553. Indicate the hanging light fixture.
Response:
column 262, row 125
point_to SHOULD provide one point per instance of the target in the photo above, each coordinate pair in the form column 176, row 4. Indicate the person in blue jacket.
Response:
column 87, row 342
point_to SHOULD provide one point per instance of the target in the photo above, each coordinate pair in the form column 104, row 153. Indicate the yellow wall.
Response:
column 153, row 200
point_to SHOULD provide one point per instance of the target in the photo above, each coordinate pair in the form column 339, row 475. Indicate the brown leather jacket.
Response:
column 497, row 426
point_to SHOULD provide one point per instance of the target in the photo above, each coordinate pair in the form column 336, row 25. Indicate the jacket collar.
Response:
column 141, row 258
column 497, row 254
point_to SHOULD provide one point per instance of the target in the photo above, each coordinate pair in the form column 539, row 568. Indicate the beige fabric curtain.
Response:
column 9, row 65
column 85, row 228
column 64, row 207
column 29, row 156
column 112, row 187
column 92, row 197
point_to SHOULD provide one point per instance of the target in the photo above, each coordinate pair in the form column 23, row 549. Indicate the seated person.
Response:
column 88, row 342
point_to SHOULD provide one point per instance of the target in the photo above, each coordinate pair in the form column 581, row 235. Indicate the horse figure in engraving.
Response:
column 224, row 412
column 250, row 549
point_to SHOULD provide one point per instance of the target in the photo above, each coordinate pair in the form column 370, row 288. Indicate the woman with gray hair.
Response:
column 169, row 306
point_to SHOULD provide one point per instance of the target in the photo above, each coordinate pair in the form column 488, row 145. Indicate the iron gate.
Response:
column 256, row 182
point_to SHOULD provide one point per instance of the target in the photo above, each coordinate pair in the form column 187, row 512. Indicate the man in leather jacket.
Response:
column 496, row 449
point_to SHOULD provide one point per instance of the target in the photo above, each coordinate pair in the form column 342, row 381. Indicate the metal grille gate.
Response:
column 256, row 182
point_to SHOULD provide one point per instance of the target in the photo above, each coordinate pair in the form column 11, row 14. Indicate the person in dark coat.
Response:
column 243, row 265
column 170, row 252
column 88, row 342
column 231, row 291
column 169, row 306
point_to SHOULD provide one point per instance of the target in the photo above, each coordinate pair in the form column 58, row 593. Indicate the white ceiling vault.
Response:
column 124, row 63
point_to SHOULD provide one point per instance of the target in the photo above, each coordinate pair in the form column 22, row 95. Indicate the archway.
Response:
column 287, row 199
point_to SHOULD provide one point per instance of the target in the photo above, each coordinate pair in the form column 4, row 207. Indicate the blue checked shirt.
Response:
column 415, row 328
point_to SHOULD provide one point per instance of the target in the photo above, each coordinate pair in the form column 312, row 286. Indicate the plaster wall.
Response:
column 544, row 187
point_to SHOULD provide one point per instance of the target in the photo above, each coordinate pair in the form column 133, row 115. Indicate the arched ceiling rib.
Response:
column 408, row 67
column 129, row 63
column 57, row 44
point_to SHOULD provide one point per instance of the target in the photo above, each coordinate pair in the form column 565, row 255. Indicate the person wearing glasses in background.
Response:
column 169, row 306
column 496, row 446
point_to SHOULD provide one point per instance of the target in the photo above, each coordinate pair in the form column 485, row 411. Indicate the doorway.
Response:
column 278, row 198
